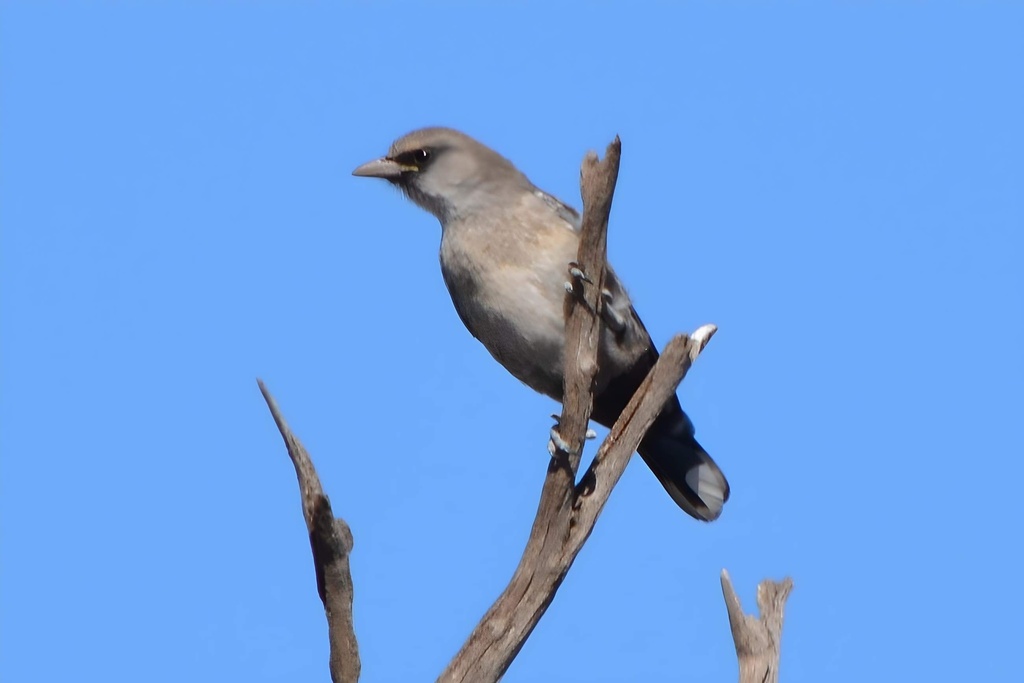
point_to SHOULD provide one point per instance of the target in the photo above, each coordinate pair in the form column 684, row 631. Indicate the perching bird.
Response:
column 505, row 252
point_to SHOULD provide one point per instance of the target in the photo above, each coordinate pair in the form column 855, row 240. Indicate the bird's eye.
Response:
column 417, row 158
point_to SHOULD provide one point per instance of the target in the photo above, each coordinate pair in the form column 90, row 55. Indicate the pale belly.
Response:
column 508, row 286
column 517, row 314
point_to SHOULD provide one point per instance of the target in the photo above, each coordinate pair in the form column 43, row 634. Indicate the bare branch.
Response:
column 758, row 640
column 498, row 637
column 610, row 462
column 583, row 320
column 567, row 512
column 331, row 542
column 549, row 554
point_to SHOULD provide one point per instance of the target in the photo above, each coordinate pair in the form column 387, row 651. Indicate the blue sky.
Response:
column 837, row 186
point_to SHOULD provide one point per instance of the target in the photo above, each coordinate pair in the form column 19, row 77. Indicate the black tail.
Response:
column 682, row 466
column 687, row 472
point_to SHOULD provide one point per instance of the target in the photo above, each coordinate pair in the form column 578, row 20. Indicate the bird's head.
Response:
column 447, row 172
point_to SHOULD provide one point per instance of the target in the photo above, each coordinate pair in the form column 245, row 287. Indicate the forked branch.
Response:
column 758, row 640
column 567, row 512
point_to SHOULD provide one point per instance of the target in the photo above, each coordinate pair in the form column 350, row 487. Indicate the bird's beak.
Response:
column 382, row 168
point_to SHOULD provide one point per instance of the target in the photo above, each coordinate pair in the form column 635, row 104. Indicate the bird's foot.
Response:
column 556, row 443
column 577, row 275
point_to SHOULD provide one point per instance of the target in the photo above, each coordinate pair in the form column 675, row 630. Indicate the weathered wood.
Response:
column 758, row 640
column 498, row 637
column 331, row 542
column 567, row 511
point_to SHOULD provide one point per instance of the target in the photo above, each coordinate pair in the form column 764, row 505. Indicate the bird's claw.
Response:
column 557, row 443
column 577, row 273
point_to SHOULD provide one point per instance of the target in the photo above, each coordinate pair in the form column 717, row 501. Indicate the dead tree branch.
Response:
column 758, row 640
column 568, row 509
column 331, row 542
column 567, row 512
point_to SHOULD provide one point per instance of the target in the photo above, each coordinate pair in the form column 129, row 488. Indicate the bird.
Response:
column 506, row 246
